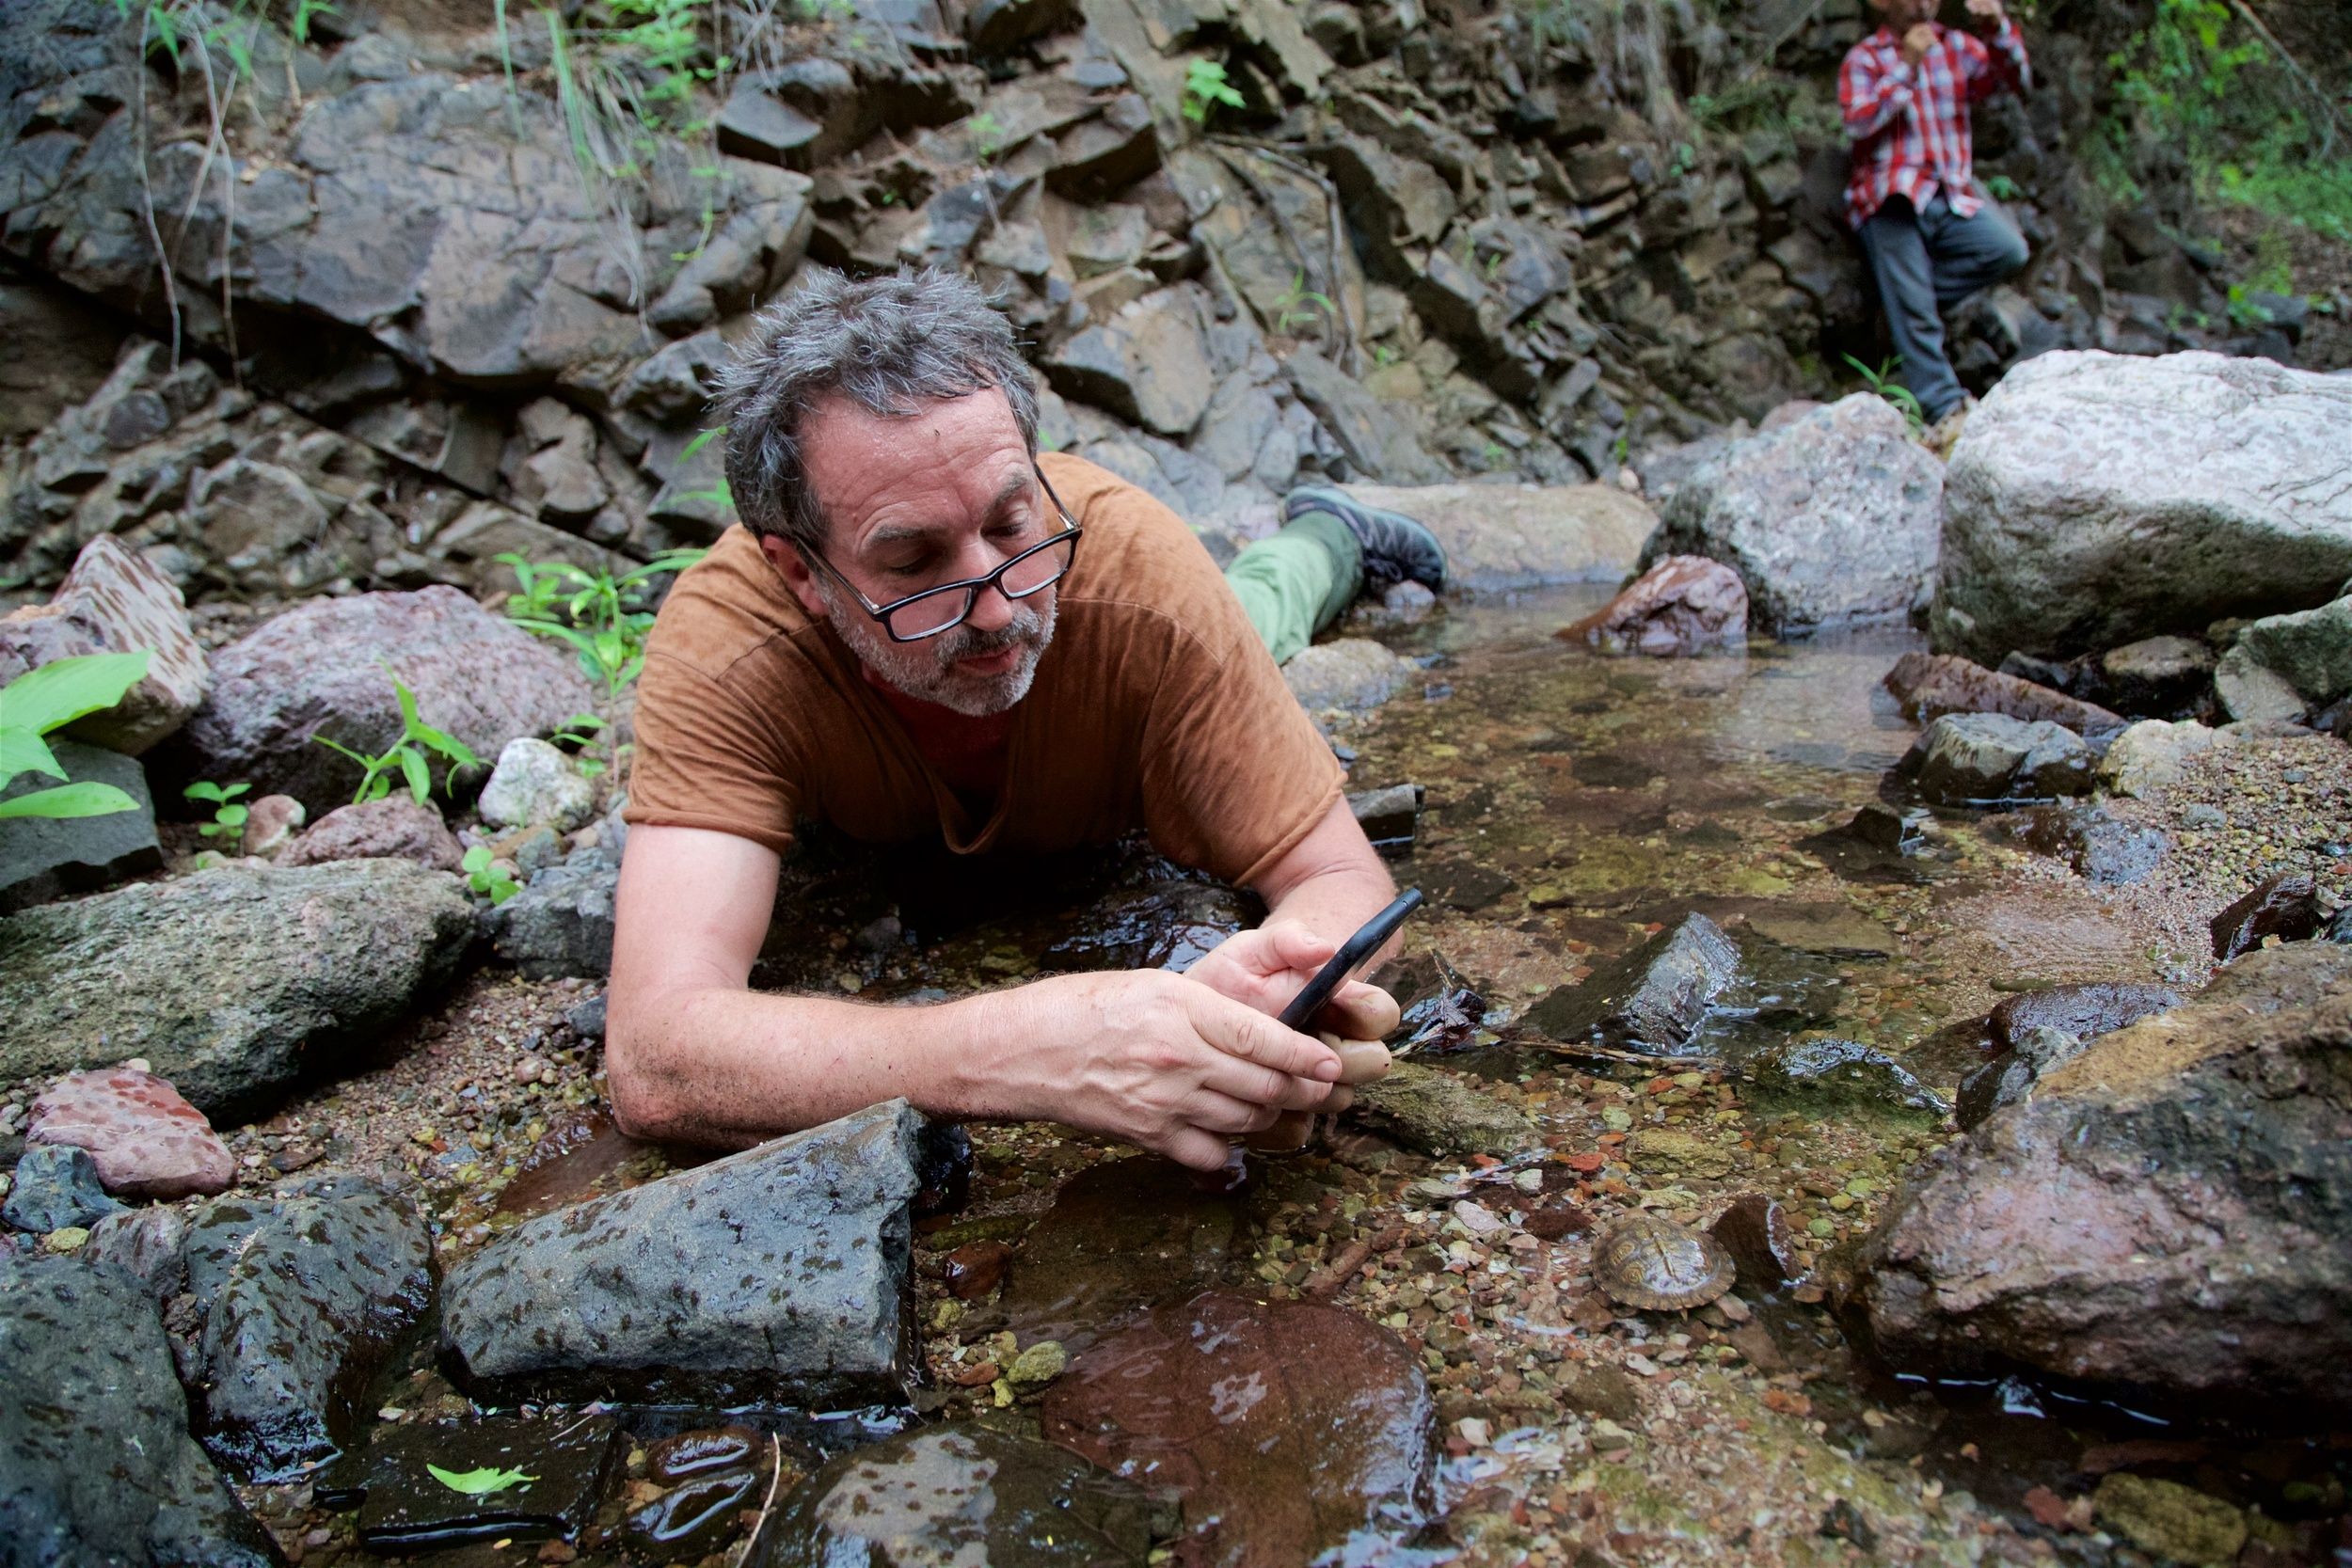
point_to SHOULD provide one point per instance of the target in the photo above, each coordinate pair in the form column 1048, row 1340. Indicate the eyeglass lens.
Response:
column 936, row 612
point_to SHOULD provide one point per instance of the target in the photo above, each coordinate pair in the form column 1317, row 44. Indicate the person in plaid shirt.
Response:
column 1933, row 237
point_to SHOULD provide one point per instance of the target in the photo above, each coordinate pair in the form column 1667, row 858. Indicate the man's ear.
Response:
column 795, row 572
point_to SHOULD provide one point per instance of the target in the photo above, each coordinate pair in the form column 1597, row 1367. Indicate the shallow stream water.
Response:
column 1573, row 806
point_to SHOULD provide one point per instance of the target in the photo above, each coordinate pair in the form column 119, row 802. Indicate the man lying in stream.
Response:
column 924, row 626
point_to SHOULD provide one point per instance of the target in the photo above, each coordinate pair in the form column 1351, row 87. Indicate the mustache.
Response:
column 1028, row 628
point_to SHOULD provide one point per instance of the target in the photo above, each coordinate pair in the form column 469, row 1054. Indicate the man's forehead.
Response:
column 928, row 469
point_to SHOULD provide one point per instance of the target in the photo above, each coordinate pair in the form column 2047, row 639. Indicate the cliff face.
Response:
column 465, row 310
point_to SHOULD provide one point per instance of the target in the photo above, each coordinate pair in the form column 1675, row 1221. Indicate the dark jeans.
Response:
column 1927, row 262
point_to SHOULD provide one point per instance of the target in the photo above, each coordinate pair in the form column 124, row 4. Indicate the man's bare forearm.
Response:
column 729, row 1066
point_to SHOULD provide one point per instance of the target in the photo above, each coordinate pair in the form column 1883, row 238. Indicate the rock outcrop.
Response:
column 230, row 982
column 2096, row 499
column 2163, row 1215
column 780, row 1272
column 1829, row 519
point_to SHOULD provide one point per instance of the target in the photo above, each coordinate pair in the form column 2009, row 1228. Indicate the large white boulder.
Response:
column 2096, row 499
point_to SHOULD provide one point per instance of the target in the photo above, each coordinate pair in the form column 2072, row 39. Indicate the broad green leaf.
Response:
column 374, row 787
column 232, row 817
column 23, row 752
column 63, row 689
column 412, row 766
column 407, row 703
column 478, row 1483
column 204, row 790
column 477, row 858
column 87, row 798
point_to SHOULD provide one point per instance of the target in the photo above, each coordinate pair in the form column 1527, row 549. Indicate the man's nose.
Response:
column 991, row 611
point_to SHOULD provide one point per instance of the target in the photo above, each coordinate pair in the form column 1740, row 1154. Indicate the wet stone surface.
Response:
column 958, row 1495
column 1120, row 1239
column 303, row 1300
column 94, row 1445
column 1286, row 1427
column 564, row 1464
column 777, row 1273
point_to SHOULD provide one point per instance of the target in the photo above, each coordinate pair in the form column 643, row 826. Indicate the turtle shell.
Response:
column 1648, row 1262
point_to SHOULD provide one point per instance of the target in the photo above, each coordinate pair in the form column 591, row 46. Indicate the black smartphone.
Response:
column 1351, row 957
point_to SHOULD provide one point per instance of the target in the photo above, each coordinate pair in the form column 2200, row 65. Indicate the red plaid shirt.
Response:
column 1908, row 125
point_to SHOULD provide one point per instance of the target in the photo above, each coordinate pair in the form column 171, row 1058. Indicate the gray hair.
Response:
column 889, row 344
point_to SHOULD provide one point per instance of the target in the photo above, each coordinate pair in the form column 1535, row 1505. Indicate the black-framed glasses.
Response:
column 934, row 609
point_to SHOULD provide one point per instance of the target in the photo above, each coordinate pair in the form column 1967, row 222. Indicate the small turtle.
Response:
column 1647, row 1261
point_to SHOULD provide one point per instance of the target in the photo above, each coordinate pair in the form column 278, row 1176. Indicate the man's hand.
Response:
column 1920, row 40
column 1985, row 16
column 1267, row 966
column 1155, row 1060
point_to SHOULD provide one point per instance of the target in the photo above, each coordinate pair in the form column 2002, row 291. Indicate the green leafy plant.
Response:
column 1206, row 85
column 2252, row 126
column 46, row 699
column 1685, row 159
column 599, row 615
column 478, row 1483
column 2247, row 313
column 2000, row 187
column 582, row 733
column 484, row 876
column 988, row 135
column 1297, row 304
column 408, row 756
column 229, row 813
column 1385, row 355
column 1882, row 381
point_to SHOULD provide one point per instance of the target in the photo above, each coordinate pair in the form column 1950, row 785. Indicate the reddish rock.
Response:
column 1284, row 1426
column 2084, row 1012
column 1762, row 1243
column 1686, row 604
column 113, row 602
column 2162, row 1218
column 394, row 828
column 1931, row 684
column 145, row 1140
column 2286, row 907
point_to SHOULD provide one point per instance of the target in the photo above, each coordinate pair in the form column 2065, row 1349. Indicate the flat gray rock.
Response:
column 96, row 1463
column 779, row 1272
column 228, row 981
column 2096, row 499
column 1502, row 537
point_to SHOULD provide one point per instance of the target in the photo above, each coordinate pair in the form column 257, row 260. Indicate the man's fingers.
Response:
column 1221, row 1113
column 1252, row 1036
column 1190, row 1145
column 1359, row 1012
column 1299, row 947
column 1258, row 1086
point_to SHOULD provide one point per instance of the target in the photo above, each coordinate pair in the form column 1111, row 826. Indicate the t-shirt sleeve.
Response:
column 1234, row 775
column 705, row 761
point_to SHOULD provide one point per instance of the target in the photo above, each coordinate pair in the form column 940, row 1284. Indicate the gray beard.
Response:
column 926, row 670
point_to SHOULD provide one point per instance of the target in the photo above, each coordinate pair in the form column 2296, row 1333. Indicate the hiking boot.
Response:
column 1396, row 549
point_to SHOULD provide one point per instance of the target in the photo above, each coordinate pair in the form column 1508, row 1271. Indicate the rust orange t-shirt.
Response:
column 1155, row 706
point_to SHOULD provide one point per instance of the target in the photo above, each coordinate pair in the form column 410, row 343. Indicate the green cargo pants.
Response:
column 1295, row 583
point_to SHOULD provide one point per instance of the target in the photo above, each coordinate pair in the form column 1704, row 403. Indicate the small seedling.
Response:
column 1295, row 307
column 1205, row 86
column 988, row 136
column 478, row 1483
column 580, row 732
column 408, row 756
column 48, row 698
column 229, row 813
column 1882, row 382
column 2000, row 187
column 488, row 878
